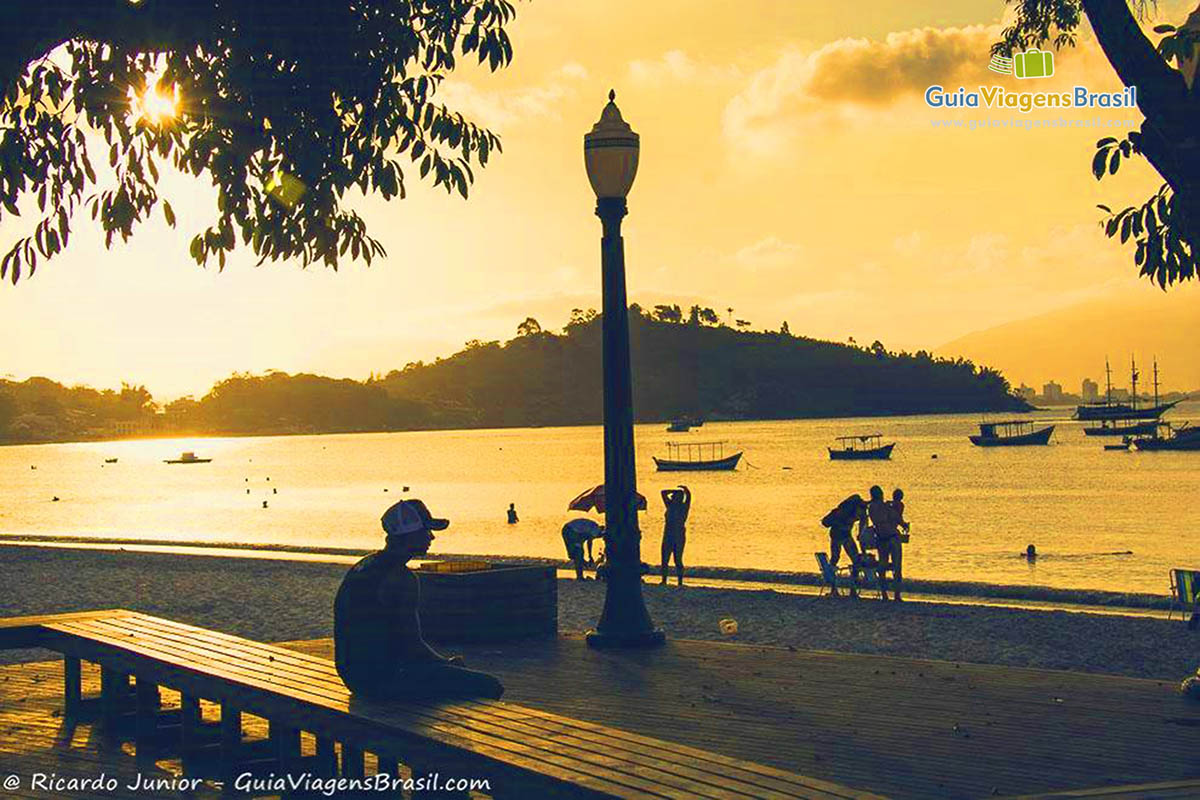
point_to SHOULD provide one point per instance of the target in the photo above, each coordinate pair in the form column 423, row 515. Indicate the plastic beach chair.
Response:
column 829, row 572
column 1185, row 591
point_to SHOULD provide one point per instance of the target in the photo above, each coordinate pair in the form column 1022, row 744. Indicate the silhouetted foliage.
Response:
column 530, row 327
column 668, row 313
column 284, row 107
column 716, row 372
column 1166, row 227
column 713, row 372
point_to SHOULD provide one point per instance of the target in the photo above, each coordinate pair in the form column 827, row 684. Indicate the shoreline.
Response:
column 597, row 424
column 761, row 578
column 275, row 600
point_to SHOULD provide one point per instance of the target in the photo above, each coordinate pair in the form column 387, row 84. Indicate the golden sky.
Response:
column 789, row 170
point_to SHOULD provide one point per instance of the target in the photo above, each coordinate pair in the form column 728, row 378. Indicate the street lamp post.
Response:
column 610, row 153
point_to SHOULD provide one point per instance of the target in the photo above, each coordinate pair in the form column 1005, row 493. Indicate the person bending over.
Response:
column 378, row 647
column 678, row 502
column 576, row 534
column 840, row 522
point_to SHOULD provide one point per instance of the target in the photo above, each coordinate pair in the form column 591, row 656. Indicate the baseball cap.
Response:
column 410, row 516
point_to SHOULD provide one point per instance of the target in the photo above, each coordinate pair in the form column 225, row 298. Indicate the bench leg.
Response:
column 189, row 731
column 114, row 697
column 146, row 720
column 285, row 745
column 72, row 687
column 352, row 762
column 231, row 745
column 327, row 766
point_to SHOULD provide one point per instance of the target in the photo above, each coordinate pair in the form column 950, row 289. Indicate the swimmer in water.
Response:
column 1031, row 553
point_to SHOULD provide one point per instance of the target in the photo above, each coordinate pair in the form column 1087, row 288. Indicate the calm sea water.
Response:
column 973, row 510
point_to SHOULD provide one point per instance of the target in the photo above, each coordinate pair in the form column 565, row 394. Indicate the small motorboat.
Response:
column 690, row 457
column 1012, row 433
column 110, row 461
column 1122, row 446
column 1171, row 437
column 861, row 448
column 187, row 457
column 679, row 426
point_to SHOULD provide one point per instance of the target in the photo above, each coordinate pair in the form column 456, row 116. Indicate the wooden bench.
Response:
column 521, row 752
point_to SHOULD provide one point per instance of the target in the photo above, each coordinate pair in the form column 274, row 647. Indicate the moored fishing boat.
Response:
column 188, row 457
column 1011, row 433
column 866, row 447
column 690, row 457
column 1171, row 437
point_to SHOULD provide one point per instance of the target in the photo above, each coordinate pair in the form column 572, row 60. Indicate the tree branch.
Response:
column 1162, row 93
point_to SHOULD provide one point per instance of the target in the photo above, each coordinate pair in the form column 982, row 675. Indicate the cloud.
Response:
column 854, row 72
column 501, row 109
column 768, row 253
column 677, row 66
column 864, row 80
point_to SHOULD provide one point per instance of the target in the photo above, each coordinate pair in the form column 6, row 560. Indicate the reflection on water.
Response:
column 973, row 510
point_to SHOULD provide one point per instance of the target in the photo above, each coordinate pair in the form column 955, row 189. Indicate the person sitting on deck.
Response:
column 576, row 534
column 840, row 522
column 887, row 540
column 678, row 502
column 378, row 647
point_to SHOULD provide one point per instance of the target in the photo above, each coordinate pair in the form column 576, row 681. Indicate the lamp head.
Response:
column 610, row 153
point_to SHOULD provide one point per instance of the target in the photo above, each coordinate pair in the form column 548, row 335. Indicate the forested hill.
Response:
column 717, row 372
column 697, row 368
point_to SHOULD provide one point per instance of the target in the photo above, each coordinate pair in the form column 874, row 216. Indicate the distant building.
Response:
column 1026, row 392
column 1090, row 391
column 1120, row 395
column 1052, row 394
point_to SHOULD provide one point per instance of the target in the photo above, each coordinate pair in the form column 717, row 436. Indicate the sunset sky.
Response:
column 789, row 170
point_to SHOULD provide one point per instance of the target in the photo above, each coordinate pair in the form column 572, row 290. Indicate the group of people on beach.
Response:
column 880, row 523
column 580, row 533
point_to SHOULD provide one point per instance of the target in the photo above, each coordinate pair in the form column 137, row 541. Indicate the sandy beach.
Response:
column 278, row 600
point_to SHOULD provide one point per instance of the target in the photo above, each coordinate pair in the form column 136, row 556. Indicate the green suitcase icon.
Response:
column 1033, row 64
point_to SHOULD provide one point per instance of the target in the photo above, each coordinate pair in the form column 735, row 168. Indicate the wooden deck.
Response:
column 902, row 728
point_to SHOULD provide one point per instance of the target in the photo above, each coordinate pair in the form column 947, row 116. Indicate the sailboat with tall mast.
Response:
column 1122, row 419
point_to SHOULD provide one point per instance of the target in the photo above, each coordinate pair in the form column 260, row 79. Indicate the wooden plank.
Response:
column 22, row 632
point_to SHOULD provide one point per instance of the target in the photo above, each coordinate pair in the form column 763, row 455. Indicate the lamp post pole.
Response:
column 611, row 156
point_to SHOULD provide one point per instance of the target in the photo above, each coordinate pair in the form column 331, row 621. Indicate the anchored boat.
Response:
column 187, row 457
column 866, row 447
column 1171, row 437
column 1011, row 433
column 691, row 457
column 1109, row 414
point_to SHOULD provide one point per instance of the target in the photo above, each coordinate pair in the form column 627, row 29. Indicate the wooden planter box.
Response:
column 488, row 605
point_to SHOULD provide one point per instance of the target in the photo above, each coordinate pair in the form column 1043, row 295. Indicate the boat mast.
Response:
column 1156, row 381
column 1107, row 382
column 1134, row 377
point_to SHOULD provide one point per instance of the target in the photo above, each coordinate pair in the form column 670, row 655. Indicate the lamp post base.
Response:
column 625, row 641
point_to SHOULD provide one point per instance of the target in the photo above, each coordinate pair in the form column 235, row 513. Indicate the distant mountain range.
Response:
column 1070, row 344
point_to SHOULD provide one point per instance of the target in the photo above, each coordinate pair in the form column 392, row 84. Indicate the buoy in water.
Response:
column 274, row 491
